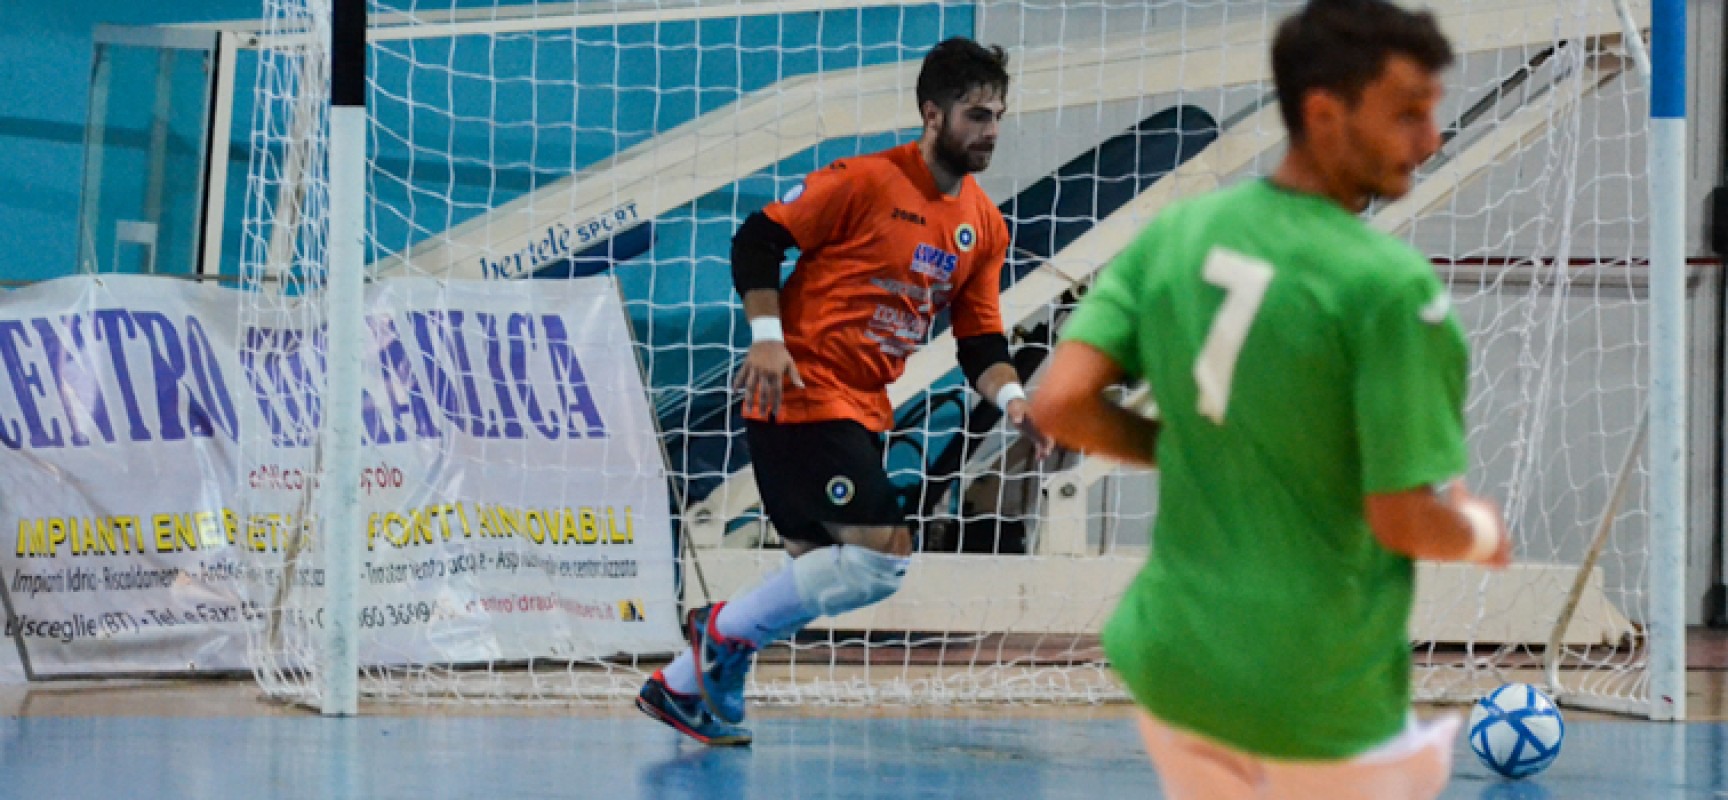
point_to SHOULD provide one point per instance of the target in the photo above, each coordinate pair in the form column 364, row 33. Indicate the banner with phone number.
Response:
column 161, row 438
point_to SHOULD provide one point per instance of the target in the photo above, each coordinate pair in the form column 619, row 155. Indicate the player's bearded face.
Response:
column 1391, row 130
column 967, row 138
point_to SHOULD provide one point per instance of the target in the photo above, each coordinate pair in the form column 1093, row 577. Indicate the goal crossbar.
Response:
column 786, row 118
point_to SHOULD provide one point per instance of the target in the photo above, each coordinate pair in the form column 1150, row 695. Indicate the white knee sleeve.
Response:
column 837, row 579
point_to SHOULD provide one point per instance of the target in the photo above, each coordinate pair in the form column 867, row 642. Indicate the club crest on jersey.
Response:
column 840, row 490
column 934, row 262
column 965, row 237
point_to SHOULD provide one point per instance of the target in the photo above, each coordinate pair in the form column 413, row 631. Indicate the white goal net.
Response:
column 515, row 142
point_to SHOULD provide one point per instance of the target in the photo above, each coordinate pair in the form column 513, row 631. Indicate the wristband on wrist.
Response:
column 766, row 329
column 1009, row 393
column 1484, row 532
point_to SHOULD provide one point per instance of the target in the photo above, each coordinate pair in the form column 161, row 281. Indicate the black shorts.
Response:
column 813, row 474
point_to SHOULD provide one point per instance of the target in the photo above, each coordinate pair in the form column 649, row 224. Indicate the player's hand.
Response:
column 762, row 379
column 1502, row 557
column 1019, row 412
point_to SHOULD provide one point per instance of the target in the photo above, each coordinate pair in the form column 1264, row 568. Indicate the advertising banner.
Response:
column 158, row 447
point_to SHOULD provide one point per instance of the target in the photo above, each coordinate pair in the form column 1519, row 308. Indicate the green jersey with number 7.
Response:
column 1300, row 361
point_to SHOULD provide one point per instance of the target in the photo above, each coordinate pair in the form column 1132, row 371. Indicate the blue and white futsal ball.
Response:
column 1516, row 730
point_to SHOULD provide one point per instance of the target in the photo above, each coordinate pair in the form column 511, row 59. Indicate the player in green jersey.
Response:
column 1310, row 380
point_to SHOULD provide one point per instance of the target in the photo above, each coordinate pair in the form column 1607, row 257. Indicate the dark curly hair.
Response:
column 957, row 66
column 1340, row 46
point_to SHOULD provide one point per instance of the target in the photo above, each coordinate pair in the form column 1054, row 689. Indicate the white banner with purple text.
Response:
column 159, row 442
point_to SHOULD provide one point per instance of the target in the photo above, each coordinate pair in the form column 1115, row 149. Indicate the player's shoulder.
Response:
column 1320, row 232
column 867, row 169
column 1383, row 258
column 1392, row 280
column 1224, row 207
column 988, row 214
column 867, row 166
column 1247, row 194
column 995, row 227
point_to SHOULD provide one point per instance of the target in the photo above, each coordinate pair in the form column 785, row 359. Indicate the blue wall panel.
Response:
column 45, row 60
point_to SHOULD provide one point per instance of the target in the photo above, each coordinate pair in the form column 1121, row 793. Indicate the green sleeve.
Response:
column 1107, row 314
column 1412, row 366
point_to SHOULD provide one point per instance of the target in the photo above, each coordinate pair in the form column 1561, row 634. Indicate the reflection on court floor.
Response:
column 625, row 756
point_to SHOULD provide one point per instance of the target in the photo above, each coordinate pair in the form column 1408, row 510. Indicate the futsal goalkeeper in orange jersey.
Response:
column 888, row 241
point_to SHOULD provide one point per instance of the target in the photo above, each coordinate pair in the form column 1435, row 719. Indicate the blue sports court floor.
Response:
column 196, row 742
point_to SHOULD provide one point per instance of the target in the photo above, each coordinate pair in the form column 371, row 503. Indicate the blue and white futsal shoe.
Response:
column 687, row 714
column 722, row 665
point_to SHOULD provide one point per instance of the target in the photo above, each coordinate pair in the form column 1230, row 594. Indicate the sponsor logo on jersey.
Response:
column 924, row 296
column 934, row 262
column 965, row 237
column 900, row 323
column 907, row 216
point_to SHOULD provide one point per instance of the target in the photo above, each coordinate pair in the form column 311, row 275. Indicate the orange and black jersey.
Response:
column 883, row 252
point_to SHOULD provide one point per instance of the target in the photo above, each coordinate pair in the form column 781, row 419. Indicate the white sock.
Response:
column 681, row 673
column 771, row 611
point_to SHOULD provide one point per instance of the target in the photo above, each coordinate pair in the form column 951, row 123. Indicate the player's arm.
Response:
column 810, row 215
column 1100, row 347
column 985, row 360
column 1440, row 523
column 758, row 249
column 1072, row 407
column 1411, row 380
column 982, row 347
